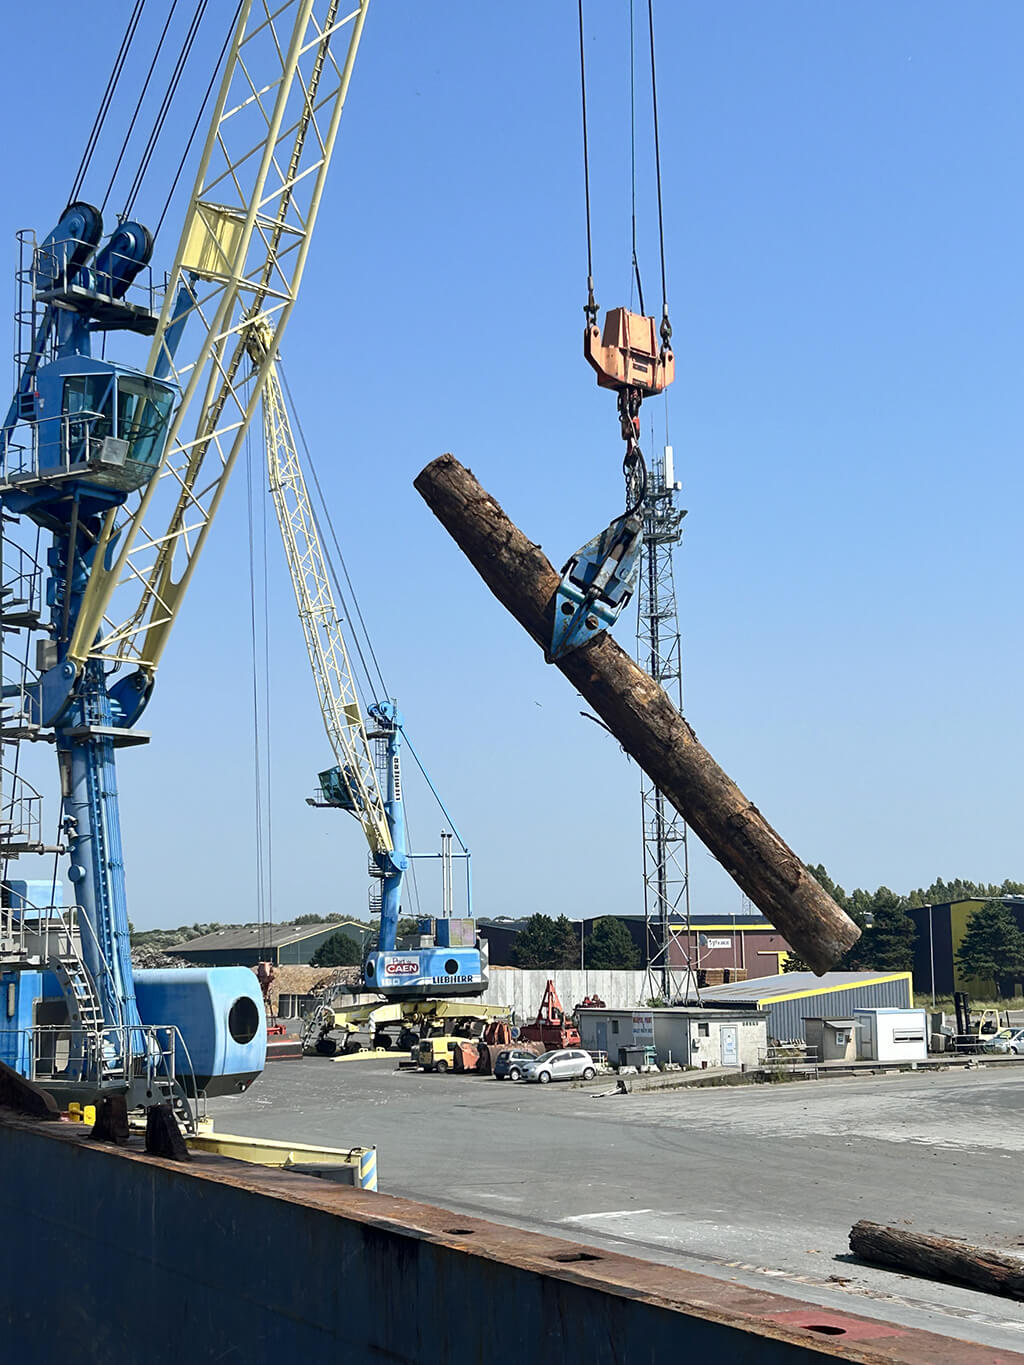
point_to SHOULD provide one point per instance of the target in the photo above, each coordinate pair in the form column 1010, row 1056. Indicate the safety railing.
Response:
column 44, row 932
column 60, row 446
column 50, row 262
column 793, row 1058
column 22, row 579
column 21, row 815
column 68, row 1056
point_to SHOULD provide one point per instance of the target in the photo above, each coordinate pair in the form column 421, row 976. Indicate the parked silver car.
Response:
column 567, row 1064
column 1006, row 1040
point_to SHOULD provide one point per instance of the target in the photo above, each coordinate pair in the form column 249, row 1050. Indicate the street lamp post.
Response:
column 931, row 951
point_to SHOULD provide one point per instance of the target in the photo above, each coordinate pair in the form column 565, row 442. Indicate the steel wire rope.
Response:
column 666, row 329
column 256, row 719
column 591, row 306
column 412, row 867
column 268, row 730
column 138, row 102
column 632, row 154
column 165, row 107
column 311, row 465
column 108, row 95
column 199, row 118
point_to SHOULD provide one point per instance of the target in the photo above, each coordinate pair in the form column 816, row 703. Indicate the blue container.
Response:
column 219, row 1013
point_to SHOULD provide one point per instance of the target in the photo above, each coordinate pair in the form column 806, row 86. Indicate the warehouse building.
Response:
column 745, row 945
column 940, row 932
column 281, row 944
column 685, row 1034
column 791, row 999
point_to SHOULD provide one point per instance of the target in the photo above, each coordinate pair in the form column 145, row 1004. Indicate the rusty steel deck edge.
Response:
column 782, row 1319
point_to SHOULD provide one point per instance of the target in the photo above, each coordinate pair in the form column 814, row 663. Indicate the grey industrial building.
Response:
column 792, row 998
column 282, row 944
column 685, row 1034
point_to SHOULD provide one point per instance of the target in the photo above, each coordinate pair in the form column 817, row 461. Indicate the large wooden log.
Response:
column 940, row 1258
column 644, row 720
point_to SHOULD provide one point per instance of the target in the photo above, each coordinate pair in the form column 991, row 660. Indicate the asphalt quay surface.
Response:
column 757, row 1184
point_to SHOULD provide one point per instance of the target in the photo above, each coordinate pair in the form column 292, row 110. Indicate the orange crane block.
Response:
column 627, row 354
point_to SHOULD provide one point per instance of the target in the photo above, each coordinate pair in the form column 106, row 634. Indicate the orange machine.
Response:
column 552, row 1027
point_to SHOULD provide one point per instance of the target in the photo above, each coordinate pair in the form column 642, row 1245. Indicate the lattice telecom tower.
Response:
column 666, row 855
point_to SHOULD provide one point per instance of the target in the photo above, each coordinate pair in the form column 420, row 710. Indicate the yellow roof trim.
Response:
column 717, row 928
column 846, row 986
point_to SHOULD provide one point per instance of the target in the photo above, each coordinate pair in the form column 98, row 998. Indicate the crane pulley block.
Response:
column 627, row 355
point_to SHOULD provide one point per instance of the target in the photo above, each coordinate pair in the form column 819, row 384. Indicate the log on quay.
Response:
column 642, row 717
column 939, row 1258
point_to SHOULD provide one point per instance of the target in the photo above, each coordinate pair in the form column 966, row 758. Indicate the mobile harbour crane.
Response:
column 91, row 451
column 366, row 779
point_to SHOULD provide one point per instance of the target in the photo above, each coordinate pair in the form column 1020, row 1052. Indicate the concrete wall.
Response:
column 110, row 1255
column 524, row 990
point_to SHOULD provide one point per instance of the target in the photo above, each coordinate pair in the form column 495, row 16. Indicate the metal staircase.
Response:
column 85, row 1054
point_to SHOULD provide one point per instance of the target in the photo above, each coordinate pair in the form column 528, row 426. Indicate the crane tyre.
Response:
column 327, row 1047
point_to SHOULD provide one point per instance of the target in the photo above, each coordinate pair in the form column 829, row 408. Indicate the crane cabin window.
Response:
column 143, row 413
column 88, row 403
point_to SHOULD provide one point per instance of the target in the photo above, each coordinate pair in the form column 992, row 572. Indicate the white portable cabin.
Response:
column 892, row 1035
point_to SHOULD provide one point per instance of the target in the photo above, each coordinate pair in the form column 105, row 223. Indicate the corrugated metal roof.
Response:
column 765, row 989
column 253, row 935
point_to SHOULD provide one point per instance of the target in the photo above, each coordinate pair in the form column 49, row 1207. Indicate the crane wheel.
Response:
column 327, row 1047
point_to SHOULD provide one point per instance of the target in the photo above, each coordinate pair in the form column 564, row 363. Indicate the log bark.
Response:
column 644, row 720
column 939, row 1258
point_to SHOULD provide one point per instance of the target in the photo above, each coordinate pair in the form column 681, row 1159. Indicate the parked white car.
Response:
column 567, row 1064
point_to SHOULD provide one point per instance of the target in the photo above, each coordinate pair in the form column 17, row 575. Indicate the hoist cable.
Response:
column 108, row 95
column 267, row 730
column 368, row 683
column 138, row 104
column 632, row 155
column 337, row 548
column 591, row 306
column 165, row 106
column 666, row 329
column 257, row 727
column 199, row 118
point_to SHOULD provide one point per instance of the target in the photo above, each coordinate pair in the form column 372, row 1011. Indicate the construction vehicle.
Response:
column 110, row 475
column 366, row 779
column 384, row 1026
column 974, row 1028
column 552, row 1026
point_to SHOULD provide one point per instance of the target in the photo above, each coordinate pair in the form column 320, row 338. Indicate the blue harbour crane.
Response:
column 110, row 476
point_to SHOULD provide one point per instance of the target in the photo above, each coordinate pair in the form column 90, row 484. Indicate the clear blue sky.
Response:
column 843, row 205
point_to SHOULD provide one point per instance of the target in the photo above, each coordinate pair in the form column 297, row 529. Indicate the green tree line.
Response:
column 550, row 944
column 992, row 947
